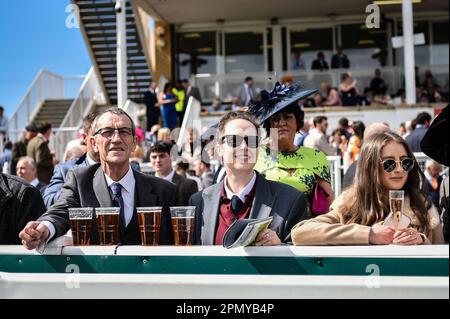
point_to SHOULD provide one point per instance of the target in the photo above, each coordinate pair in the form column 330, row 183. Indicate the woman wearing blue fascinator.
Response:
column 280, row 159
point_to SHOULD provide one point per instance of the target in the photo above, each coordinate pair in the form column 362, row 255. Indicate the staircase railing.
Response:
column 89, row 95
column 46, row 85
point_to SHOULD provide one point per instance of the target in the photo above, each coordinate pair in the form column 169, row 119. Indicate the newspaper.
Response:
column 243, row 232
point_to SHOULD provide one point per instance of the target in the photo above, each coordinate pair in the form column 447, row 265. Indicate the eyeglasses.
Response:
column 389, row 165
column 108, row 132
column 236, row 140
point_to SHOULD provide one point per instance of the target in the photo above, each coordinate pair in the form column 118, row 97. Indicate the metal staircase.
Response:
column 53, row 111
column 98, row 26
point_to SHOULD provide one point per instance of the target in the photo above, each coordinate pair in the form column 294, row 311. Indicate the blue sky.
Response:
column 33, row 35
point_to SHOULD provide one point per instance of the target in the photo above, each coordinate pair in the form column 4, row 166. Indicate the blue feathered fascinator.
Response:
column 279, row 98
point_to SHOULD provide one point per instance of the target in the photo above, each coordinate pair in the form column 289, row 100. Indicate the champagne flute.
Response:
column 396, row 200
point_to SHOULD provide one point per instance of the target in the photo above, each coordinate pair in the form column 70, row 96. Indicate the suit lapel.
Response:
column 211, row 202
column 176, row 179
column 263, row 200
column 101, row 189
column 144, row 197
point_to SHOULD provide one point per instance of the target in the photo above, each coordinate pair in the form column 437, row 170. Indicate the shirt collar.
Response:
column 35, row 182
column 169, row 177
column 244, row 192
column 127, row 181
column 89, row 160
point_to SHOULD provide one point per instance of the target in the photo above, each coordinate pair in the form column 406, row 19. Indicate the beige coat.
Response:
column 329, row 229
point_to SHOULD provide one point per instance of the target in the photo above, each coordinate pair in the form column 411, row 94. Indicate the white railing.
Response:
column 133, row 110
column 89, row 95
column 224, row 86
column 46, row 85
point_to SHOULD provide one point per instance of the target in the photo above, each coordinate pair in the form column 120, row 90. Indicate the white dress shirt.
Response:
column 169, row 177
column 128, row 186
column 34, row 182
column 244, row 192
column 89, row 160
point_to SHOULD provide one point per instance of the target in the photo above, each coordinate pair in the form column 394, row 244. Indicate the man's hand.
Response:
column 34, row 234
column 381, row 235
column 267, row 238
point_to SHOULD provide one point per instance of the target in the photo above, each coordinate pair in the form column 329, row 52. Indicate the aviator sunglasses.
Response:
column 389, row 165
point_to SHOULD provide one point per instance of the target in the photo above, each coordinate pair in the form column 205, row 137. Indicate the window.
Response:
column 439, row 48
column 309, row 42
column 196, row 53
column 421, row 52
column 244, row 52
column 365, row 48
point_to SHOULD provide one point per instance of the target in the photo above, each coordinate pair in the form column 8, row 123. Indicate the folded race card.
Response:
column 397, row 220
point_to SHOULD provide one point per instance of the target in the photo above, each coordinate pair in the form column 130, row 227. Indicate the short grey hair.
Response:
column 29, row 160
column 116, row 111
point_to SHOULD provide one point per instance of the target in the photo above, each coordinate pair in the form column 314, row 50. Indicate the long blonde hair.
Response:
column 367, row 201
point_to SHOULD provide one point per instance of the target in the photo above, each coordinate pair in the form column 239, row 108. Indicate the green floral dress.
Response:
column 297, row 169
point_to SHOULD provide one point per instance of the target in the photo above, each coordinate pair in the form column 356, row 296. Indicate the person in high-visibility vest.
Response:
column 180, row 93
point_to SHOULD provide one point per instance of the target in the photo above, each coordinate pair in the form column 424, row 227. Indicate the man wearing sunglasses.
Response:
column 108, row 184
column 244, row 193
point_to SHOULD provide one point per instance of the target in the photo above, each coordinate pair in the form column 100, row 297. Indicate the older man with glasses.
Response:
column 244, row 193
column 110, row 183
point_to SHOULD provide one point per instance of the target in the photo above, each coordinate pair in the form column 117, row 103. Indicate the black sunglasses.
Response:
column 389, row 165
column 236, row 140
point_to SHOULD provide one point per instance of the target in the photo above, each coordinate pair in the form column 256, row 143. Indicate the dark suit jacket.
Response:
column 186, row 188
column 415, row 138
column 286, row 204
column 340, row 61
column 435, row 143
column 444, row 205
column 152, row 112
column 51, row 193
column 19, row 203
column 317, row 66
column 19, row 150
column 86, row 187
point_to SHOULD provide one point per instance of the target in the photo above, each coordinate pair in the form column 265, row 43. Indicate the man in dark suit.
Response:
column 26, row 169
column 19, row 203
column 320, row 63
column 110, row 183
column 162, row 163
column 244, row 193
column 245, row 92
column 152, row 111
column 53, row 189
column 423, row 120
column 340, row 60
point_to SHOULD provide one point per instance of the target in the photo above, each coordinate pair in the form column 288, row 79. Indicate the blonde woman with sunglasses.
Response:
column 357, row 216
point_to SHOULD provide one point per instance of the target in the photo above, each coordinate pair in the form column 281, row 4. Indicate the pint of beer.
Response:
column 81, row 225
column 149, row 224
column 183, row 220
column 108, row 225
